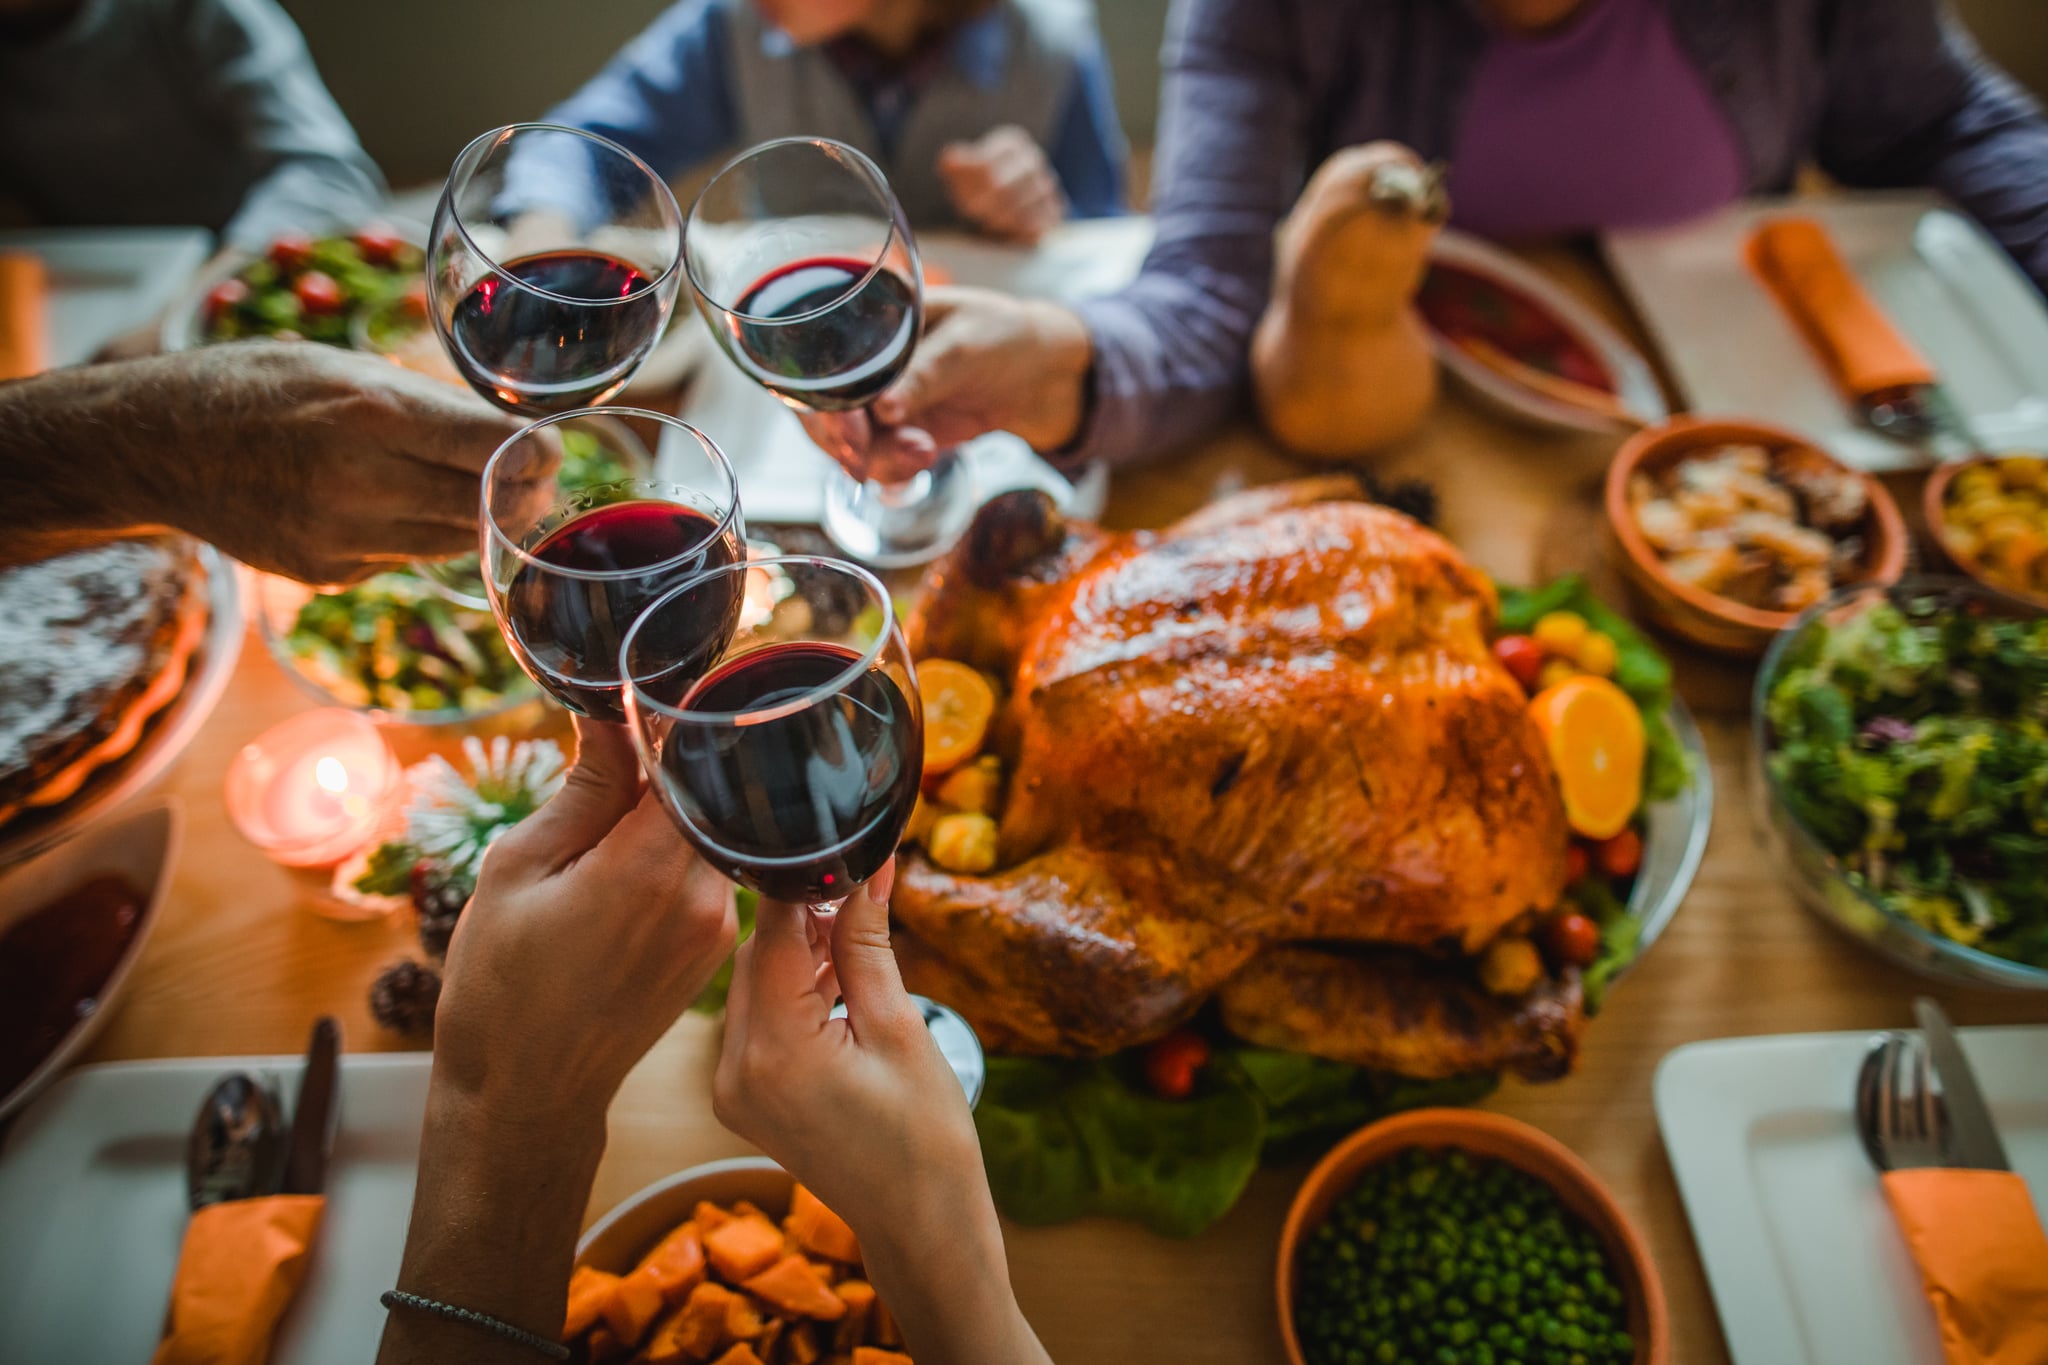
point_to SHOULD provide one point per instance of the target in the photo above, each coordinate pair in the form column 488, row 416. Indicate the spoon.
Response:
column 237, row 1149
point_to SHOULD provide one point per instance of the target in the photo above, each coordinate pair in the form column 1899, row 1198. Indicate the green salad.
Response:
column 1911, row 741
column 313, row 289
column 393, row 643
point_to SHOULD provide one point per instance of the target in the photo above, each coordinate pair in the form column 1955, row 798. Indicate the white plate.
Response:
column 1806, row 1264
column 106, row 281
column 1946, row 285
column 140, row 849
column 782, row 475
column 93, row 1211
column 163, row 738
column 1635, row 385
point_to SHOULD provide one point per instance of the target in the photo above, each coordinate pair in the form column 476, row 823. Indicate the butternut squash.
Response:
column 589, row 1291
column 819, row 1230
column 701, row 1328
column 859, row 1297
column 675, row 1266
column 743, row 1248
column 874, row 1355
column 740, row 1354
column 632, row 1308
column 1340, row 361
column 794, row 1287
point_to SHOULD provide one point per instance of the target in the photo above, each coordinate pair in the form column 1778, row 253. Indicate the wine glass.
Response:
column 804, row 267
column 567, row 570
column 793, row 764
column 551, row 266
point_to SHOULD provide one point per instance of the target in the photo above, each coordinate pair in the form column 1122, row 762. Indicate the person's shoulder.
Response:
column 1059, row 29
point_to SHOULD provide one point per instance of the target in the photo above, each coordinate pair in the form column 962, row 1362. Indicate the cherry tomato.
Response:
column 290, row 251
column 224, row 296
column 1522, row 657
column 379, row 244
column 318, row 293
column 1172, row 1063
column 1576, row 864
column 1621, row 856
column 1572, row 939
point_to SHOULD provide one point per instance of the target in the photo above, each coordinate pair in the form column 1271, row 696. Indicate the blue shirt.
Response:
column 667, row 97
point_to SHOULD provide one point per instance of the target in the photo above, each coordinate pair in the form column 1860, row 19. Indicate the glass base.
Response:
column 893, row 526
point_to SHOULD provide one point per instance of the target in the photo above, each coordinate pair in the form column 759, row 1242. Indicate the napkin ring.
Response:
column 482, row 1322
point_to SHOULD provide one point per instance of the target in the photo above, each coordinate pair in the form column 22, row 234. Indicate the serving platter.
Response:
column 164, row 736
column 1806, row 1264
column 93, row 1212
column 1675, row 834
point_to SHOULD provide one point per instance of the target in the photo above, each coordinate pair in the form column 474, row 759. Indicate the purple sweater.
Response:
column 1257, row 92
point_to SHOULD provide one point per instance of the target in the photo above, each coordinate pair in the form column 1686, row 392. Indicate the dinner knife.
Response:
column 1973, row 1137
column 317, row 1116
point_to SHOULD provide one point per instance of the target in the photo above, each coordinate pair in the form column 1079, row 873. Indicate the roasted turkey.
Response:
column 1264, row 756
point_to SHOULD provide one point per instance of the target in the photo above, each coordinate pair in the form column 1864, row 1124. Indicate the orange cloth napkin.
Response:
column 24, row 315
column 242, row 1263
column 1983, row 1258
column 1797, row 261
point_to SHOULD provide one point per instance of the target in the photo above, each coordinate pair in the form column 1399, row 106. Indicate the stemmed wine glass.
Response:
column 793, row 764
column 551, row 266
column 804, row 267
column 569, row 570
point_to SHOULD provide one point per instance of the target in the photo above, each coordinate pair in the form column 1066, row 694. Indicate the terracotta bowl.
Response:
column 1505, row 1139
column 617, row 1241
column 1934, row 505
column 1702, row 617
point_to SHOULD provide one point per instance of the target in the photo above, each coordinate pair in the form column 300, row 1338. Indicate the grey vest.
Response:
column 802, row 94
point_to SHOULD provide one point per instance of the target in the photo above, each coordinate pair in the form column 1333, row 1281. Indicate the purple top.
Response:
column 1603, row 124
column 1258, row 92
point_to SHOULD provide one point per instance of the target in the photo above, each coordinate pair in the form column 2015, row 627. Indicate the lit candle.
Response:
column 313, row 790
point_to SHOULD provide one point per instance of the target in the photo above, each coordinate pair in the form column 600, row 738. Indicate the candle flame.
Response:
column 329, row 773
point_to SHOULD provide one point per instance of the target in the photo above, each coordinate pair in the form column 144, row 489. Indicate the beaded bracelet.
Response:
column 482, row 1322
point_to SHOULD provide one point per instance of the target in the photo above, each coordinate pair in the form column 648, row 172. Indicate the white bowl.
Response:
column 140, row 849
column 617, row 1241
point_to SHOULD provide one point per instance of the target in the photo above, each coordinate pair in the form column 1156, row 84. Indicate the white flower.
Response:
column 453, row 819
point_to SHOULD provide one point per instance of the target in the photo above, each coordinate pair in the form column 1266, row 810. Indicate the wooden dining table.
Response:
column 241, row 963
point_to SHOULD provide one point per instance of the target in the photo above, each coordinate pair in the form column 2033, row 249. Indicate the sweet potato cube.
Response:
column 589, row 1288
column 882, row 1328
column 771, row 1337
column 675, row 1266
column 744, row 1320
column 742, row 1209
column 740, row 1354
column 859, row 1298
column 632, row 1308
column 664, row 1344
column 819, row 1229
column 801, row 1345
column 709, row 1218
column 700, row 1330
column 603, row 1345
column 794, row 1287
column 875, row 1355
column 743, row 1248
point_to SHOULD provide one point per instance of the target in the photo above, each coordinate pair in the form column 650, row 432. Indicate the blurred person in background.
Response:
column 174, row 112
column 1558, row 117
column 992, row 114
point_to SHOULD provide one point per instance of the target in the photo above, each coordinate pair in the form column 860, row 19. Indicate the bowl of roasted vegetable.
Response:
column 732, row 1261
column 1989, row 517
column 1901, row 740
column 394, row 646
column 1451, row 1234
column 305, row 288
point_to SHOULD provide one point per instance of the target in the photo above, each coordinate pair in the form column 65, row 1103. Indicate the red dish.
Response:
column 1465, row 305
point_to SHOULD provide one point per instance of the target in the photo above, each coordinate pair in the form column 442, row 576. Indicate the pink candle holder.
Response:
column 315, row 789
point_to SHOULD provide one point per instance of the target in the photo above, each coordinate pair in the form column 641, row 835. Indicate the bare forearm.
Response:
column 64, row 457
column 494, row 1226
column 948, row 1286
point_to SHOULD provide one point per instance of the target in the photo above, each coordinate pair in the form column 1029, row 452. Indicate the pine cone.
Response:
column 439, row 900
column 404, row 997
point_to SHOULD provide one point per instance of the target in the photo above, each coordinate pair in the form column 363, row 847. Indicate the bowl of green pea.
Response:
column 1459, row 1237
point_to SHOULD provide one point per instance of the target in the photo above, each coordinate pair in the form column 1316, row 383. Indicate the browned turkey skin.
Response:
column 1265, row 755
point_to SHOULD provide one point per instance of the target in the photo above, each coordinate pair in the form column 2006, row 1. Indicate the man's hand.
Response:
column 294, row 458
column 1002, row 183
column 987, row 362
column 592, row 929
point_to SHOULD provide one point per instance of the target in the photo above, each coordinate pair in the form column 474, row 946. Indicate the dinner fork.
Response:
column 1900, row 1118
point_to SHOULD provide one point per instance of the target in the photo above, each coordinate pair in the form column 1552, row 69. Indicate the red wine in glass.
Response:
column 803, row 804
column 575, row 336
column 582, row 584
column 826, row 333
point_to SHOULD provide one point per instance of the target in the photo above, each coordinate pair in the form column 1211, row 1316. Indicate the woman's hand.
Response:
column 987, row 362
column 593, row 927
column 1003, row 184
column 865, row 1111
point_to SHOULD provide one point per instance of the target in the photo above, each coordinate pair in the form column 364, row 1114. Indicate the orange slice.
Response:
column 1595, row 737
column 958, row 703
